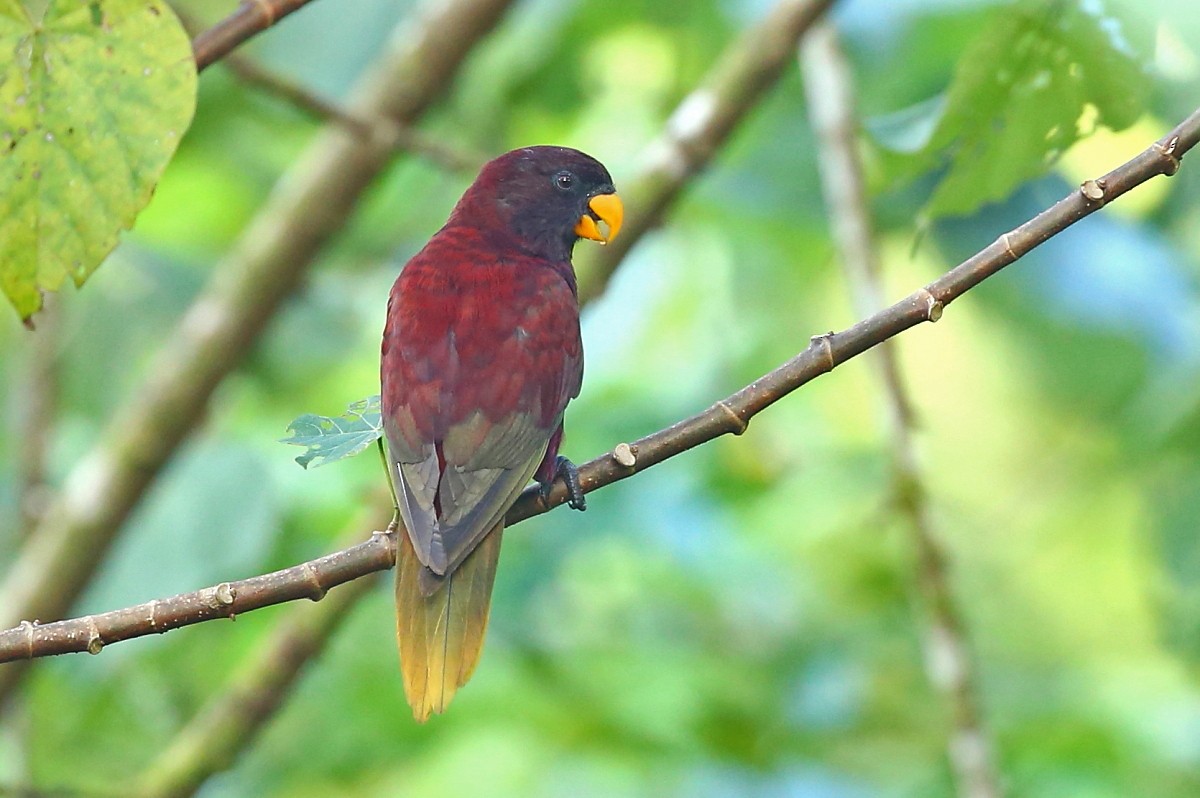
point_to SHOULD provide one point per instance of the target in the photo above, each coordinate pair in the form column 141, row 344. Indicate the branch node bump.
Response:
column 739, row 424
column 265, row 8
column 314, row 579
column 1168, row 152
column 154, row 614
column 389, row 538
column 94, row 643
column 623, row 454
column 29, row 638
column 1092, row 190
column 1006, row 241
column 224, row 594
column 933, row 305
column 824, row 340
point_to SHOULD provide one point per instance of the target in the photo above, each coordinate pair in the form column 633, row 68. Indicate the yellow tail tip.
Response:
column 441, row 635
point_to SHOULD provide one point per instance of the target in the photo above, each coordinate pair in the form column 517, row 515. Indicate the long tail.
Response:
column 441, row 634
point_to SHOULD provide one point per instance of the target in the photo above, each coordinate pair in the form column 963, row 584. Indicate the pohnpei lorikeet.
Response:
column 481, row 353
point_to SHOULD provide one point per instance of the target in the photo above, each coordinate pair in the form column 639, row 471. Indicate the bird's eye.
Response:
column 564, row 180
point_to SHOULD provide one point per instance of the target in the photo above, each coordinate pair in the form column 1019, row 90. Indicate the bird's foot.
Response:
column 570, row 476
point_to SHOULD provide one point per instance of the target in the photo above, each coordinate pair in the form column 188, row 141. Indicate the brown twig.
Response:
column 728, row 416
column 309, row 206
column 700, row 125
column 308, row 580
column 407, row 137
column 251, row 17
column 830, row 92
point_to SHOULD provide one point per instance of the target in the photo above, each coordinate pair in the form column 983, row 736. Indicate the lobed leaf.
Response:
column 332, row 438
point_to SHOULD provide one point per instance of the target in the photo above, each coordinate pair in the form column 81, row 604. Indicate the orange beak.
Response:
column 610, row 211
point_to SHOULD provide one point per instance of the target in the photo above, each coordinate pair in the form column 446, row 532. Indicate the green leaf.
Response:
column 1042, row 76
column 94, row 97
column 331, row 438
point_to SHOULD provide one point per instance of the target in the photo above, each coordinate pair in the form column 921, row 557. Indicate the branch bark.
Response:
column 831, row 104
column 408, row 138
column 700, row 125
column 731, row 415
column 249, row 18
column 310, row 204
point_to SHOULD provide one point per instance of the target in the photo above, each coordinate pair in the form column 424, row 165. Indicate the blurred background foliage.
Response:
column 745, row 618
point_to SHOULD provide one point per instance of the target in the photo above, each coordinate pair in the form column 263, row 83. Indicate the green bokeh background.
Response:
column 745, row 618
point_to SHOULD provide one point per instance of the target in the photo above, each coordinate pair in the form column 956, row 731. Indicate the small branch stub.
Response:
column 933, row 305
column 623, row 454
column 314, row 579
column 824, row 341
column 740, row 424
column 224, row 594
column 1168, row 151
column 1092, row 190
column 29, row 638
column 94, row 644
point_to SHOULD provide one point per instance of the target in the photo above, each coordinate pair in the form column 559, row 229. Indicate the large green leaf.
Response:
column 94, row 97
column 331, row 438
column 1041, row 76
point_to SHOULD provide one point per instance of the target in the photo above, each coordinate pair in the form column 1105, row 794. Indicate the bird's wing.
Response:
column 461, row 487
column 472, row 394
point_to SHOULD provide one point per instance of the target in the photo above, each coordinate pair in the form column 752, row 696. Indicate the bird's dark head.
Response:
column 547, row 197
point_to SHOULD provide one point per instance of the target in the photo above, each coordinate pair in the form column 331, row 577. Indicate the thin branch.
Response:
column 407, row 137
column 830, row 91
column 728, row 416
column 251, row 17
column 308, row 580
column 700, row 125
column 250, row 72
column 212, row 741
column 310, row 204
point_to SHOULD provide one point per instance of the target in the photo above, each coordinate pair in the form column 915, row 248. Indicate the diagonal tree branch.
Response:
column 310, row 204
column 308, row 580
column 212, row 741
column 728, row 416
column 408, row 138
column 830, row 91
column 700, row 126
column 249, row 18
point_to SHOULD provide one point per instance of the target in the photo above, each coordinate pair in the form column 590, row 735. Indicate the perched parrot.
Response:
column 481, row 353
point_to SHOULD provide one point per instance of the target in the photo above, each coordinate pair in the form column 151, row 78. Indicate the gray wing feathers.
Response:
column 487, row 466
